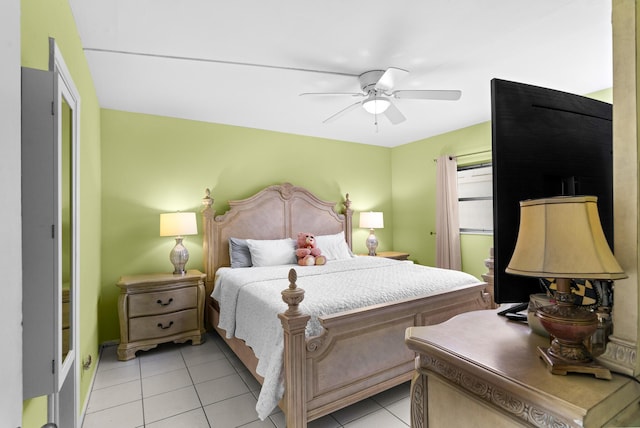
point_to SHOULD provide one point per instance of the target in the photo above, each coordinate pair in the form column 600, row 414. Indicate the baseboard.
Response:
column 93, row 377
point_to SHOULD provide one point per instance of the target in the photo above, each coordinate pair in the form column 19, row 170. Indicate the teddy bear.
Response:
column 308, row 254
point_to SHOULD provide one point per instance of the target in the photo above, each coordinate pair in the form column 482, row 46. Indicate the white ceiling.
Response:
column 245, row 62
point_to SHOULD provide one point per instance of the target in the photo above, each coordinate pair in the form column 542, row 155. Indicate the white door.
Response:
column 50, row 123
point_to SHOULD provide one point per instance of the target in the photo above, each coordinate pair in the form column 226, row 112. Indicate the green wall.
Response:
column 153, row 164
column 413, row 178
column 41, row 19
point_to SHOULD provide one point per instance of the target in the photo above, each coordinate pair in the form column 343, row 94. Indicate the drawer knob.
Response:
column 163, row 327
column 161, row 303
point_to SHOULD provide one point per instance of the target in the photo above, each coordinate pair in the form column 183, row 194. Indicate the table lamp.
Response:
column 562, row 238
column 371, row 220
column 178, row 225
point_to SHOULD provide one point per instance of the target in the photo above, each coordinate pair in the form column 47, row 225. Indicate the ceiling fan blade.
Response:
column 390, row 78
column 451, row 95
column 341, row 112
column 353, row 94
column 394, row 115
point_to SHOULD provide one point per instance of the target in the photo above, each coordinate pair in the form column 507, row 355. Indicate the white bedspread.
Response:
column 250, row 300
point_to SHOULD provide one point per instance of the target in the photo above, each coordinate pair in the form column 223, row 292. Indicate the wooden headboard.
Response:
column 276, row 212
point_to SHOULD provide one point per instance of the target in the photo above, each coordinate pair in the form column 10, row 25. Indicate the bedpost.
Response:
column 348, row 214
column 295, row 370
column 207, row 241
column 488, row 278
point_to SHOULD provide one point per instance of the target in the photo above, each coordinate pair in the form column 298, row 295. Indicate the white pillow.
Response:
column 334, row 247
column 272, row 252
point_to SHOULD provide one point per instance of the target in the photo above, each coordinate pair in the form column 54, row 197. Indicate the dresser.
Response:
column 479, row 369
column 159, row 308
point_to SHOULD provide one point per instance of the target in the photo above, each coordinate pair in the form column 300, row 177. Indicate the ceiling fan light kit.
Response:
column 377, row 87
column 376, row 105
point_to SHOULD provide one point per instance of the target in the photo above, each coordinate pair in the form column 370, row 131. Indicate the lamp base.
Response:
column 179, row 257
column 372, row 243
column 559, row 366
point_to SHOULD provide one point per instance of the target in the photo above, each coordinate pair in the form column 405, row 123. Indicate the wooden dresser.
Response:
column 159, row 308
column 479, row 369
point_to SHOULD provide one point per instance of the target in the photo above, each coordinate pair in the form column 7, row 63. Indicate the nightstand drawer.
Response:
column 162, row 302
column 162, row 325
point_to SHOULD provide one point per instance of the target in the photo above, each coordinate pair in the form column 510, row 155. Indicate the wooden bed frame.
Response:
column 361, row 352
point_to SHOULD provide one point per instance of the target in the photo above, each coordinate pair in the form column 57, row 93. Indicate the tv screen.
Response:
column 544, row 143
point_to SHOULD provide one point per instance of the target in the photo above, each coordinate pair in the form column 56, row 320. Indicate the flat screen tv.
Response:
column 544, row 143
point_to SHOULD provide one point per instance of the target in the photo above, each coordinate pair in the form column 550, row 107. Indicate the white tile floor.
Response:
column 206, row 386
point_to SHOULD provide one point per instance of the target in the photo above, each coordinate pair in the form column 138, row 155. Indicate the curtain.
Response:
column 447, row 221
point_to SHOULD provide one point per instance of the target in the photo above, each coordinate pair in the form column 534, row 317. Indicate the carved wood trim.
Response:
column 487, row 391
column 348, row 215
column 207, row 218
column 620, row 355
column 294, row 323
column 419, row 401
column 276, row 212
column 488, row 278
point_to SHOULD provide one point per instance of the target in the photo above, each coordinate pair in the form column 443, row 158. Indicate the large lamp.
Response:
column 372, row 220
column 178, row 225
column 562, row 238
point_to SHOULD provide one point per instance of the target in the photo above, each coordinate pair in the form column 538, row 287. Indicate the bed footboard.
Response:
column 360, row 353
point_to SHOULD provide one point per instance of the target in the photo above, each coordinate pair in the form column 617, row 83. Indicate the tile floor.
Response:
column 207, row 386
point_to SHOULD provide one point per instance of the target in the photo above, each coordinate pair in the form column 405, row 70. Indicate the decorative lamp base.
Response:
column 179, row 257
column 569, row 326
column 559, row 366
column 372, row 243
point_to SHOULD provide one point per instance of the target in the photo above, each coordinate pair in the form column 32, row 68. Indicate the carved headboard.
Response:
column 276, row 212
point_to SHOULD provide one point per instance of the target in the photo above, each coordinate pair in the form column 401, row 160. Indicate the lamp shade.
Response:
column 562, row 237
column 371, row 220
column 178, row 224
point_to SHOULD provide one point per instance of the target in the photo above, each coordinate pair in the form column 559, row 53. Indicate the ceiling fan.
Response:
column 377, row 89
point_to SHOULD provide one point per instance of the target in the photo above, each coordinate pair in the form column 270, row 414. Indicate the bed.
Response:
column 346, row 355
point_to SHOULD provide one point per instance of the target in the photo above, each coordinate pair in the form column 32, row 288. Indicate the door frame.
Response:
column 63, row 405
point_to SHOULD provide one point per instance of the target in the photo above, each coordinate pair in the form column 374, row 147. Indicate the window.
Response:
column 475, row 199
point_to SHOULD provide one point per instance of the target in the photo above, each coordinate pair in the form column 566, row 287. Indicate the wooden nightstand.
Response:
column 485, row 371
column 159, row 308
column 396, row 255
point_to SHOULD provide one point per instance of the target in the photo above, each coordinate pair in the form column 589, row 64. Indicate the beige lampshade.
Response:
column 178, row 224
column 562, row 237
column 371, row 220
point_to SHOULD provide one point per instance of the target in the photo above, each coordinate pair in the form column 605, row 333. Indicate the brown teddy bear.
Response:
column 307, row 253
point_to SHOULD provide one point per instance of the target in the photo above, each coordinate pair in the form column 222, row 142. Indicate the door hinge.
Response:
column 53, row 366
column 53, row 231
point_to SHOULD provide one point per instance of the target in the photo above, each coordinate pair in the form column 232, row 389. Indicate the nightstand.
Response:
column 396, row 255
column 159, row 308
column 502, row 382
